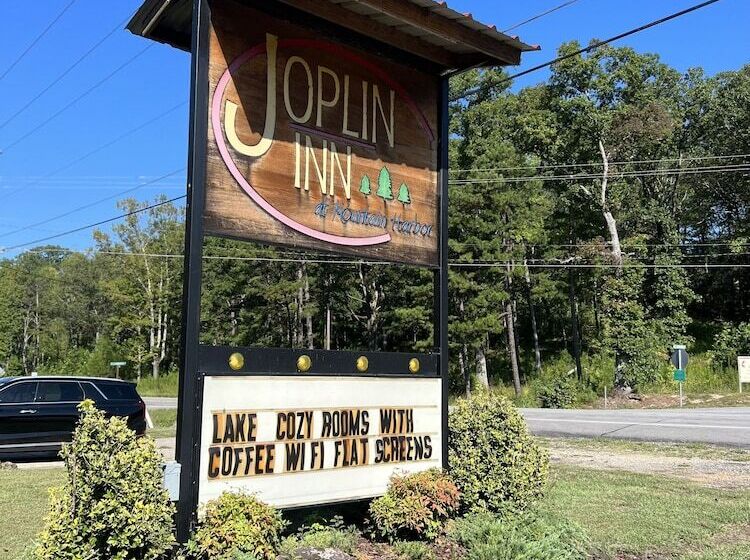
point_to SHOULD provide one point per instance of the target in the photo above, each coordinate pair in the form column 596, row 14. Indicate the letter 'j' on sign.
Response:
column 320, row 145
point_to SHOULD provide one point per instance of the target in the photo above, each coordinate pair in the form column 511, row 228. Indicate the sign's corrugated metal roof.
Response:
column 436, row 25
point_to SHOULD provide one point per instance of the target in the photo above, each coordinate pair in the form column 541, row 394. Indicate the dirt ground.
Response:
column 713, row 473
column 673, row 400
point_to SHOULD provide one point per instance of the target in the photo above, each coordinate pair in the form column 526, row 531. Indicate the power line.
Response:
column 634, row 245
column 598, row 265
column 96, row 150
column 65, row 72
column 738, row 168
column 598, row 164
column 486, row 264
column 91, row 204
column 538, row 16
column 96, row 224
column 37, row 39
column 77, row 99
column 625, row 245
column 592, row 46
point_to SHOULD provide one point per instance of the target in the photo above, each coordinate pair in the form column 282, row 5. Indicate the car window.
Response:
column 59, row 391
column 118, row 391
column 91, row 392
column 18, row 393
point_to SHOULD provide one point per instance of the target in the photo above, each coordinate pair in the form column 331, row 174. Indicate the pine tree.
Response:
column 403, row 194
column 364, row 185
column 385, row 185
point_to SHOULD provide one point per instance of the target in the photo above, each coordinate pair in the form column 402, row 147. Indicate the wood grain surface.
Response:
column 324, row 85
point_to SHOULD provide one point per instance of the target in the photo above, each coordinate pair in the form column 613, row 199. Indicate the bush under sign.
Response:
column 294, row 447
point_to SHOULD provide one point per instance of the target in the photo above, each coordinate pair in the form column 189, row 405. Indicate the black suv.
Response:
column 38, row 414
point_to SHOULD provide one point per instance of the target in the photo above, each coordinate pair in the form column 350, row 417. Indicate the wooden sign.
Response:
column 274, row 437
column 318, row 145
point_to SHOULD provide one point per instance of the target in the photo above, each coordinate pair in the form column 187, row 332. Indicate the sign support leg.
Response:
column 440, row 336
column 188, row 444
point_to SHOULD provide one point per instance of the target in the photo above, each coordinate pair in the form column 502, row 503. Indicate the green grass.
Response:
column 165, row 422
column 623, row 514
column 626, row 513
column 687, row 450
column 164, row 386
column 23, row 503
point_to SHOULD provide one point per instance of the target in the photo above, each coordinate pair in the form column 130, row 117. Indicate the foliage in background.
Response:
column 112, row 505
column 415, row 506
column 164, row 386
column 237, row 523
column 486, row 537
column 577, row 265
column 732, row 341
column 493, row 460
column 560, row 392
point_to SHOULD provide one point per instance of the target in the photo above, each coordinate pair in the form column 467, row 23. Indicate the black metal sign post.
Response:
column 441, row 275
column 188, row 405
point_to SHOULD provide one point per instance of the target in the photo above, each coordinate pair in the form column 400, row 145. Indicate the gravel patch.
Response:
column 713, row 473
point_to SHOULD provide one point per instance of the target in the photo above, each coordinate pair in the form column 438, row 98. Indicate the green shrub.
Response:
column 486, row 537
column 234, row 525
column 558, row 393
column 112, row 504
column 493, row 460
column 733, row 340
column 322, row 536
column 413, row 550
column 415, row 506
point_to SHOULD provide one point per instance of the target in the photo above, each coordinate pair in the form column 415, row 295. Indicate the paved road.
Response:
column 160, row 402
column 721, row 426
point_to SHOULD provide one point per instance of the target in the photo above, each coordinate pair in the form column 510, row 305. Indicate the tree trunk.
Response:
column 328, row 326
column 25, row 345
column 463, row 358
column 517, row 330
column 532, row 314
column 481, row 363
column 614, row 235
column 597, row 320
column 308, row 315
column 574, row 325
column 37, row 331
column 511, row 332
column 299, row 324
column 614, row 238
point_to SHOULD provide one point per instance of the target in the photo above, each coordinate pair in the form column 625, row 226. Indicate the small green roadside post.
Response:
column 679, row 361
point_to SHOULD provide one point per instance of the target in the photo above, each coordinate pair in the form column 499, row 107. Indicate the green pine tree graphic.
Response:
column 385, row 185
column 403, row 194
column 364, row 185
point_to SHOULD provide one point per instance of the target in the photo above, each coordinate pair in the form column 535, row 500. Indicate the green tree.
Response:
column 364, row 185
column 403, row 194
column 385, row 185
column 490, row 222
column 145, row 290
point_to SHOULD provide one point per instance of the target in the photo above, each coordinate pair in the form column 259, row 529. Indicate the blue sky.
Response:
column 157, row 80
